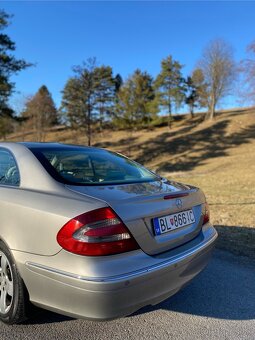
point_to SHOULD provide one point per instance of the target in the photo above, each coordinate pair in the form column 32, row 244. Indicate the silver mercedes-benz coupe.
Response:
column 92, row 234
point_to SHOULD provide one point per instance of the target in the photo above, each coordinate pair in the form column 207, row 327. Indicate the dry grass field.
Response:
column 218, row 156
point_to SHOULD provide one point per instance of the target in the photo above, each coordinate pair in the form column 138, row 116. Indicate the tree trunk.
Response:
column 169, row 115
column 89, row 126
column 191, row 111
column 211, row 109
column 101, row 119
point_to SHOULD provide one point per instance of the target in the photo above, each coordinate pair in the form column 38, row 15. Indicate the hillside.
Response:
column 217, row 156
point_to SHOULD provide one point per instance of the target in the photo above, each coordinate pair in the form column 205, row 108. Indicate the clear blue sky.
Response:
column 124, row 35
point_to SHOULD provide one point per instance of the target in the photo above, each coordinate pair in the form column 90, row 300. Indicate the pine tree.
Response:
column 89, row 96
column 196, row 91
column 40, row 112
column 72, row 107
column 105, row 93
column 9, row 66
column 135, row 100
column 79, row 97
column 118, row 81
column 170, row 86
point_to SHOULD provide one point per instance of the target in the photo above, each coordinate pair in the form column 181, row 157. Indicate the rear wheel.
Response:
column 13, row 295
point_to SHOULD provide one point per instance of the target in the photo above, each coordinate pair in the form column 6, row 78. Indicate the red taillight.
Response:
column 96, row 233
column 206, row 214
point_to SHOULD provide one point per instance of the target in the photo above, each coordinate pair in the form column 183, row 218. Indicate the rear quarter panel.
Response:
column 30, row 220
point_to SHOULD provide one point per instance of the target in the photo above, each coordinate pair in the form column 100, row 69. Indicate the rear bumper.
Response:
column 107, row 297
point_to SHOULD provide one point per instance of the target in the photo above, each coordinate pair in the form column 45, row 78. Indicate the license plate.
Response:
column 174, row 221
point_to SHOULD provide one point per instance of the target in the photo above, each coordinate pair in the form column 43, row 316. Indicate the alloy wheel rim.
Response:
column 6, row 284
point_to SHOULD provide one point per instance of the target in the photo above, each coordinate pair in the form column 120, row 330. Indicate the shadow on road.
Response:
column 224, row 290
column 42, row 316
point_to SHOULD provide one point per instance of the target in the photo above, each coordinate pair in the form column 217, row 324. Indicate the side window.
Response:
column 9, row 173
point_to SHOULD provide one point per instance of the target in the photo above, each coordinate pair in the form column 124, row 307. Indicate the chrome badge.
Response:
column 178, row 203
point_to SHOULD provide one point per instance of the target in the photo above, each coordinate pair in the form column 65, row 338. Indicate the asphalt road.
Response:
column 218, row 304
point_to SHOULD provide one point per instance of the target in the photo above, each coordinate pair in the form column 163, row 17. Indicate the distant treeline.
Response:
column 95, row 97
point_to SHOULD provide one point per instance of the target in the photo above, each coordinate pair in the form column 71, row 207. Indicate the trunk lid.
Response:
column 138, row 204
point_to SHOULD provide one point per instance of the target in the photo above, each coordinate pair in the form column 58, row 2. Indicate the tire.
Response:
column 14, row 302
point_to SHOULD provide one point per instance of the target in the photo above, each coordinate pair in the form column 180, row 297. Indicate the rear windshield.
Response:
column 91, row 167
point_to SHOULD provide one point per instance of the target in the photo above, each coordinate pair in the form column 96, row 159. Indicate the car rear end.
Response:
column 110, row 286
column 147, row 241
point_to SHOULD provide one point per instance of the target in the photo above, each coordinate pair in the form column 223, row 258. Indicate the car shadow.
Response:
column 224, row 290
column 41, row 316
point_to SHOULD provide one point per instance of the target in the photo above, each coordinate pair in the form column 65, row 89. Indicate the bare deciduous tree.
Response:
column 219, row 70
column 247, row 68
